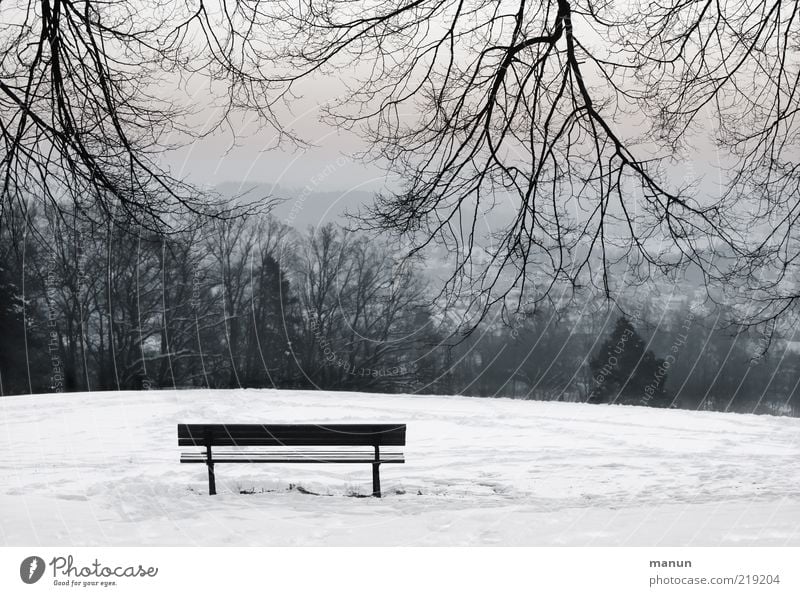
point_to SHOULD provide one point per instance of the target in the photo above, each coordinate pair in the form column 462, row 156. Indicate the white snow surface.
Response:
column 102, row 469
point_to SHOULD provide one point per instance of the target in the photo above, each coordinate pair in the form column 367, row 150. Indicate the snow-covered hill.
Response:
column 102, row 468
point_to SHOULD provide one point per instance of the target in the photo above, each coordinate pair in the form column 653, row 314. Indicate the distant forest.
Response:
column 252, row 302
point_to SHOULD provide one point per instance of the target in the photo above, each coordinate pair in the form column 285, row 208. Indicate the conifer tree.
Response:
column 625, row 372
column 12, row 352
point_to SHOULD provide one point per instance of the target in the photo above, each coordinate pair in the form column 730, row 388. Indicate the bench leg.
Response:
column 376, row 474
column 376, row 480
column 212, row 481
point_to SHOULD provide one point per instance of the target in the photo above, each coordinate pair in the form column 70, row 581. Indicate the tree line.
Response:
column 246, row 302
column 252, row 302
column 688, row 360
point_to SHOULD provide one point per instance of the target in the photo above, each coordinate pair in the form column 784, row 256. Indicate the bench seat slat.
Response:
column 292, row 434
column 300, row 455
column 265, row 460
column 277, row 457
column 293, row 453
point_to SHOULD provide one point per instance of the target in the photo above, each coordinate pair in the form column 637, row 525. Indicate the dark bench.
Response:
column 372, row 436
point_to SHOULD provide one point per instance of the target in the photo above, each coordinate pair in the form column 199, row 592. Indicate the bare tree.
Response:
column 231, row 245
column 357, row 303
column 573, row 111
column 89, row 102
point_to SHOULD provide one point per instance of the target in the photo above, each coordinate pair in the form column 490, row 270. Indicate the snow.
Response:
column 102, row 469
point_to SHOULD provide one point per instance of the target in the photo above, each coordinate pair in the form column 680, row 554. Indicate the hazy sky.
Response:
column 326, row 165
column 254, row 159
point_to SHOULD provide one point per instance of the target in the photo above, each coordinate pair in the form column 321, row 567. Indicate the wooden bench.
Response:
column 369, row 437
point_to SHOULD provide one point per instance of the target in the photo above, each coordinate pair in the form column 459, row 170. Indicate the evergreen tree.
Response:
column 12, row 348
column 272, row 329
column 624, row 372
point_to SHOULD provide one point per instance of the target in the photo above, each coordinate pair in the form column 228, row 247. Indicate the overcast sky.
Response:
column 326, row 164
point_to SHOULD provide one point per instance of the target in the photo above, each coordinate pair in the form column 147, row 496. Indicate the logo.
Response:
column 31, row 569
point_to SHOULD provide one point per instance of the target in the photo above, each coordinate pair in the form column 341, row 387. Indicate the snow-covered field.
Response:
column 102, row 469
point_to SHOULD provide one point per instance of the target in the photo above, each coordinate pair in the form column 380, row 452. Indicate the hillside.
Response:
column 102, row 468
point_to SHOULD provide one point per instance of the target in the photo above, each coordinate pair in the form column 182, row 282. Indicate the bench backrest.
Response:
column 291, row 435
